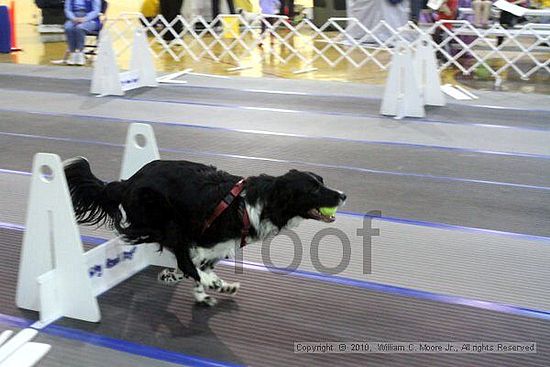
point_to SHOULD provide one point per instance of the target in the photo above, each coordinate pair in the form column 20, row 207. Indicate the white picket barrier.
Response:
column 57, row 277
column 106, row 78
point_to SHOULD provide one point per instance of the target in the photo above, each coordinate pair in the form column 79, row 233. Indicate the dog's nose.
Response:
column 343, row 196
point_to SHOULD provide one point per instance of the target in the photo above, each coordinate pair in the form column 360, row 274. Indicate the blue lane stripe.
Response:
column 15, row 321
column 390, row 289
column 273, row 160
column 132, row 348
column 414, row 222
column 103, row 119
column 12, row 172
column 445, row 226
column 385, row 288
column 12, row 226
column 116, row 344
column 450, row 227
column 425, row 121
column 308, row 94
column 401, row 291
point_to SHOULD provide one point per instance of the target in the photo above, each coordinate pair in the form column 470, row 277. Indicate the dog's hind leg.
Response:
column 170, row 276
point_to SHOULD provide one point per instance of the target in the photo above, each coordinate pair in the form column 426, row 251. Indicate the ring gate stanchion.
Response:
column 106, row 78
column 57, row 277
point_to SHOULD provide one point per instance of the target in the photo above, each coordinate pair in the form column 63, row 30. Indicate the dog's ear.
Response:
column 319, row 178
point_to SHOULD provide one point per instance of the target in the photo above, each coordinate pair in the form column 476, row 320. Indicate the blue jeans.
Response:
column 76, row 33
column 416, row 8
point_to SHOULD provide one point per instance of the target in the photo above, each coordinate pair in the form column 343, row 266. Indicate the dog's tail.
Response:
column 95, row 202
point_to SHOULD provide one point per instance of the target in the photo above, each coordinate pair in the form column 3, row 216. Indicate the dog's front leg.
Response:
column 212, row 281
column 201, row 296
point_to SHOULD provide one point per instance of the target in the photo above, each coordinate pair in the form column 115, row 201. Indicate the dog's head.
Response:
column 302, row 194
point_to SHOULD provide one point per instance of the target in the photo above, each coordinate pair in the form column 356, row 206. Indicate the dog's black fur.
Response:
column 168, row 202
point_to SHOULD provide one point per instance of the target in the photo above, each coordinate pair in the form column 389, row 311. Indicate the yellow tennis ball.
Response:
column 328, row 212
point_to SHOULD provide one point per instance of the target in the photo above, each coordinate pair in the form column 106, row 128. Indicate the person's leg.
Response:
column 290, row 5
column 171, row 9
column 70, row 34
column 416, row 7
column 80, row 33
column 215, row 8
column 485, row 11
column 505, row 21
column 477, row 7
column 231, row 6
column 284, row 4
column 437, row 37
column 290, row 9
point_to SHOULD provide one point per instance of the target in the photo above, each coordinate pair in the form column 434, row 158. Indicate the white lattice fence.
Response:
column 340, row 40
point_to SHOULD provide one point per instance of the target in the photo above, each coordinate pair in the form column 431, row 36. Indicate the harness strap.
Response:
column 224, row 204
column 246, row 225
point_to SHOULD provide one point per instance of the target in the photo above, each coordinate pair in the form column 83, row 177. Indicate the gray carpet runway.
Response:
column 336, row 105
column 398, row 181
column 245, row 330
column 145, row 324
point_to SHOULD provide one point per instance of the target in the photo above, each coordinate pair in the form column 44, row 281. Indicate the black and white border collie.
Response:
column 168, row 202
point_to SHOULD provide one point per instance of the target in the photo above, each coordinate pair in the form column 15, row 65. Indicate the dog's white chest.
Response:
column 220, row 251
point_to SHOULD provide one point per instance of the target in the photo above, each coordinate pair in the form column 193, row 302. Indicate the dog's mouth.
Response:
column 316, row 214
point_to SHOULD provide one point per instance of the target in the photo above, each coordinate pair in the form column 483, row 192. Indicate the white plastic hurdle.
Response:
column 57, row 277
column 402, row 96
column 106, row 78
column 413, row 81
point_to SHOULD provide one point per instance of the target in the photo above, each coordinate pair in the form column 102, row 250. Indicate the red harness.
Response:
column 224, row 204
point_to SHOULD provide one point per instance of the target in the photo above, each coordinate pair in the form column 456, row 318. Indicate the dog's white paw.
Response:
column 211, row 281
column 230, row 288
column 170, row 276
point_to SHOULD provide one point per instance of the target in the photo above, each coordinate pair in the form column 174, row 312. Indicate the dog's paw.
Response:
column 169, row 276
column 216, row 284
column 208, row 301
column 230, row 288
column 211, row 281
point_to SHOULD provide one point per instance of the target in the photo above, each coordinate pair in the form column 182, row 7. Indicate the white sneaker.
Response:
column 71, row 59
column 80, row 59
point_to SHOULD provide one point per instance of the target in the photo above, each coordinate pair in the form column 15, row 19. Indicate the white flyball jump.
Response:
column 57, row 277
column 106, row 78
column 413, row 81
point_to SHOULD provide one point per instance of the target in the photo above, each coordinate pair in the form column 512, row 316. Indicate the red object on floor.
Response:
column 12, row 24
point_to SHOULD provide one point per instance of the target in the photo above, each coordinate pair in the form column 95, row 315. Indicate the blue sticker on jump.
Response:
column 97, row 270
column 129, row 81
